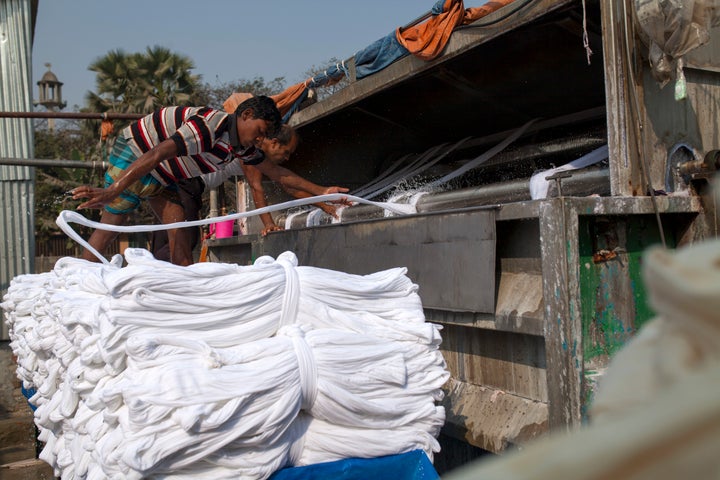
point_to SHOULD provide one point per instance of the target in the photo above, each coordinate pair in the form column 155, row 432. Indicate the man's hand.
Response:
column 328, row 208
column 98, row 197
column 342, row 201
column 271, row 228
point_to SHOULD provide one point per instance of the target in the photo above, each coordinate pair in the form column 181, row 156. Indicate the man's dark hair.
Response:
column 263, row 108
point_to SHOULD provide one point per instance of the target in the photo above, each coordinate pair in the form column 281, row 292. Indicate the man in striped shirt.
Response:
column 176, row 143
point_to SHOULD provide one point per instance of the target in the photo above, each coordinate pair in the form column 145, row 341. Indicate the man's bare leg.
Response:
column 100, row 239
column 179, row 239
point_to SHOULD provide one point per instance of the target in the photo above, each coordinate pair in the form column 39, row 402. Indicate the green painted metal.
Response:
column 605, row 329
column 613, row 297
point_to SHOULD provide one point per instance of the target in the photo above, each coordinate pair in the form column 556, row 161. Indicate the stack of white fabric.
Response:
column 223, row 371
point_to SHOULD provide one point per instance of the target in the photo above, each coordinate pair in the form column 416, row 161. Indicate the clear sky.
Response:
column 227, row 39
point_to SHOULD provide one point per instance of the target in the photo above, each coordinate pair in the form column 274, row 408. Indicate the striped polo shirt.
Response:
column 206, row 140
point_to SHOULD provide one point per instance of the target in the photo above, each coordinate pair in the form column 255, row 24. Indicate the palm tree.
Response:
column 142, row 82
column 117, row 83
column 168, row 80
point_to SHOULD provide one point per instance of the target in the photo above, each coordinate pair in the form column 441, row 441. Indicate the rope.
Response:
column 586, row 40
column 291, row 297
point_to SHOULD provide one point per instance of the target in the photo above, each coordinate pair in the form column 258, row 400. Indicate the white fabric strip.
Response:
column 67, row 216
column 539, row 184
column 307, row 369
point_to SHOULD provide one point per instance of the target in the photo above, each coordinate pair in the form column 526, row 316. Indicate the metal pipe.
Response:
column 589, row 181
column 75, row 115
column 36, row 162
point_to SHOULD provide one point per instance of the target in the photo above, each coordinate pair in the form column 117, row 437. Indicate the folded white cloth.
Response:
column 223, row 371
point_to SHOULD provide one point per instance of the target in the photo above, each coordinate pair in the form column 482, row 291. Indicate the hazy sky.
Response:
column 227, row 39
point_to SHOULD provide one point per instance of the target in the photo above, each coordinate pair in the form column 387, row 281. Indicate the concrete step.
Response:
column 32, row 469
column 11, row 399
column 17, row 438
column 18, row 443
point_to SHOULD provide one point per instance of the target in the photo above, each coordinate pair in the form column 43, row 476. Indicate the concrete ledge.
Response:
column 492, row 419
column 17, row 438
column 32, row 469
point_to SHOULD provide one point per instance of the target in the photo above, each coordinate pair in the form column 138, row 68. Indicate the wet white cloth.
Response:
column 67, row 217
column 222, row 371
column 539, row 185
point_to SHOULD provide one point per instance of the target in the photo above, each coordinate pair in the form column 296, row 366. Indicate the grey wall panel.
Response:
column 17, row 189
column 451, row 256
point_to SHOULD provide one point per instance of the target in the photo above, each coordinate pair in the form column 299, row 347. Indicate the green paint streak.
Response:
column 603, row 331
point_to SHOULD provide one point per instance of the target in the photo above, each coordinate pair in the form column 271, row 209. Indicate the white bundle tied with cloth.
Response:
column 222, row 371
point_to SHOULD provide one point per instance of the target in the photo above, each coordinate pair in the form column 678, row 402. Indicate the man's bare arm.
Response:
column 98, row 197
column 254, row 178
column 290, row 180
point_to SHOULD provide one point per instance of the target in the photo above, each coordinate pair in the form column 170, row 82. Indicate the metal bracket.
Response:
column 558, row 178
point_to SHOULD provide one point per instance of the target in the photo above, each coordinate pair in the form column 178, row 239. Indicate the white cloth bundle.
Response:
column 159, row 370
column 186, row 400
column 309, row 441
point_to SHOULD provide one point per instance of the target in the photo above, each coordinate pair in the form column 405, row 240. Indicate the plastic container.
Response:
column 222, row 229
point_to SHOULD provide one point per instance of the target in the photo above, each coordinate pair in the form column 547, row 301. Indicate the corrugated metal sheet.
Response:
column 17, row 184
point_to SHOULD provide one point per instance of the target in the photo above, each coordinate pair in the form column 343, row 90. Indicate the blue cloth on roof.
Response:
column 333, row 72
column 413, row 465
column 295, row 106
column 378, row 55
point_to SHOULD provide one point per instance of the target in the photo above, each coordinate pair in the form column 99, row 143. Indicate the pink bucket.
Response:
column 222, row 229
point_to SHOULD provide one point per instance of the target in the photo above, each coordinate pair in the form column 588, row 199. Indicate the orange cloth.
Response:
column 428, row 39
column 232, row 102
column 106, row 128
column 284, row 100
column 425, row 40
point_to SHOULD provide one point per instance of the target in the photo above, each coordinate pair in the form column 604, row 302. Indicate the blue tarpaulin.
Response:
column 413, row 465
column 28, row 393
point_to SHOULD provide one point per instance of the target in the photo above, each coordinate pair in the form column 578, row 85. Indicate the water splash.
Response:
column 55, row 200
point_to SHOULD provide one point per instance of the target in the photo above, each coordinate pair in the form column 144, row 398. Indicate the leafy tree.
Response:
column 142, row 82
column 214, row 95
column 167, row 78
column 118, row 83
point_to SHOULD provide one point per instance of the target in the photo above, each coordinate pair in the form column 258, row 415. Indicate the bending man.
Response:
column 151, row 155
column 277, row 149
